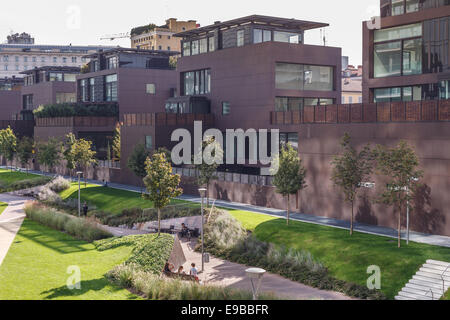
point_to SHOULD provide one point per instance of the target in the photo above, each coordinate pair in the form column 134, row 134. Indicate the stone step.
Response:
column 424, row 294
column 434, row 271
column 442, row 269
column 438, row 263
column 432, row 275
column 413, row 296
column 425, row 288
column 428, row 279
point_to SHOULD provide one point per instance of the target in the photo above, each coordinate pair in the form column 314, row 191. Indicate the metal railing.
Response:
column 443, row 279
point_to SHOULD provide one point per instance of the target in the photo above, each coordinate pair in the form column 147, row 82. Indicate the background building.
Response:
column 21, row 54
column 351, row 90
column 152, row 37
column 408, row 58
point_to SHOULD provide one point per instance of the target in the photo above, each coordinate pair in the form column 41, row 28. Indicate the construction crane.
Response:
column 112, row 37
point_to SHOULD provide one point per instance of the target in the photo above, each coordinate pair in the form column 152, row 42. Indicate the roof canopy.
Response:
column 135, row 51
column 53, row 68
column 282, row 23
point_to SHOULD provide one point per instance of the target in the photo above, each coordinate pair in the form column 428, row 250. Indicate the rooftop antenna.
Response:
column 324, row 38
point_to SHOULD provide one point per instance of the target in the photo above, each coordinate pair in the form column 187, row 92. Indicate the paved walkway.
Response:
column 229, row 274
column 342, row 224
column 10, row 221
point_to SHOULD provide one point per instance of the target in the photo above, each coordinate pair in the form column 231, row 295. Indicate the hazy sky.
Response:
column 83, row 22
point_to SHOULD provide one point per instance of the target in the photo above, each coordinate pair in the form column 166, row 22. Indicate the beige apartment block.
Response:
column 161, row 38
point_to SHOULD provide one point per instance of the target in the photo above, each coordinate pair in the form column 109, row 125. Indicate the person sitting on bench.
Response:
column 184, row 230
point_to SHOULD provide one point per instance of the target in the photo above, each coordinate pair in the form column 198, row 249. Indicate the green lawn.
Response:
column 447, row 295
column 346, row 257
column 109, row 199
column 7, row 177
column 3, row 206
column 36, row 265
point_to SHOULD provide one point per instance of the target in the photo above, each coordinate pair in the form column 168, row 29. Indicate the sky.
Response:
column 84, row 22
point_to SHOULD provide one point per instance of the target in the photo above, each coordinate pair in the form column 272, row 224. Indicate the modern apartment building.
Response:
column 406, row 56
column 16, row 56
column 152, row 37
column 137, row 80
column 48, row 85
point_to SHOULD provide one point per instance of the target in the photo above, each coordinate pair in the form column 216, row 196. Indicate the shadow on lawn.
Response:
column 86, row 286
column 52, row 240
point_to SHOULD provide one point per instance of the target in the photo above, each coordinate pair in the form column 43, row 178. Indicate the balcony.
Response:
column 413, row 111
column 166, row 119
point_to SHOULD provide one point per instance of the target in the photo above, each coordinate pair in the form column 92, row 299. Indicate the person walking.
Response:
column 85, row 209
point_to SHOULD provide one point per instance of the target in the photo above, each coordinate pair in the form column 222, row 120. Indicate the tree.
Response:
column 162, row 185
column 116, row 144
column 25, row 151
column 399, row 165
column 67, row 153
column 49, row 153
column 137, row 159
column 84, row 155
column 290, row 177
column 8, row 144
column 350, row 170
column 207, row 170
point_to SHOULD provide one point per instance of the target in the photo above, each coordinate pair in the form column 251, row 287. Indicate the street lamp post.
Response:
column 202, row 192
column 255, row 275
column 79, row 173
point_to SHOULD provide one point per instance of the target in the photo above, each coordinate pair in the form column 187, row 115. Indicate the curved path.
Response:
column 229, row 274
column 10, row 221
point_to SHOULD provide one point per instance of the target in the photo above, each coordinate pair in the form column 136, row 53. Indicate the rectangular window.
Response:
column 74, row 59
column 186, row 49
column 27, row 102
column 397, row 33
column 70, row 77
column 63, row 97
column 280, row 36
column 84, row 93
column 289, row 76
column 194, row 47
column 149, row 142
column 111, row 87
column 204, row 45
column 444, row 89
column 151, row 88
column 226, row 108
column 92, row 89
column 412, row 5
column 257, row 36
column 112, row 63
column 288, row 104
column 196, row 82
column 387, row 59
column 318, row 78
column 240, row 38
column 212, row 44
column 397, row 7
column 412, row 57
column 53, row 76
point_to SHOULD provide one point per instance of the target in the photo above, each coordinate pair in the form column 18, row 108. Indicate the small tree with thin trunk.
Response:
column 211, row 151
column 400, row 166
column 84, row 155
column 136, row 161
column 49, row 153
column 350, row 170
column 162, row 185
column 25, row 151
column 68, row 154
column 291, row 175
column 8, row 144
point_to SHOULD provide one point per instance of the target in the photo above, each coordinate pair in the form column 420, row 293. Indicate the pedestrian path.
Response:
column 10, row 221
column 331, row 222
column 229, row 274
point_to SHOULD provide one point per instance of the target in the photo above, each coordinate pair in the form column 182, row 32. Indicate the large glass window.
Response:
column 112, row 63
column 84, row 93
column 196, row 82
column 194, row 47
column 397, row 33
column 53, row 76
column 387, row 59
column 288, row 104
column 398, row 94
column 318, row 78
column 444, row 89
column 304, row 77
column 70, row 77
column 111, row 87
column 92, row 89
column 257, row 36
column 412, row 57
column 280, row 36
column 412, row 5
column 211, row 44
column 397, row 7
column 289, row 76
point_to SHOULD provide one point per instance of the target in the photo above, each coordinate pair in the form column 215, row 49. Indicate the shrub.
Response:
column 153, row 287
column 59, row 184
column 150, row 252
column 47, row 195
column 73, row 109
column 79, row 228
column 224, row 237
